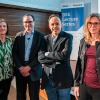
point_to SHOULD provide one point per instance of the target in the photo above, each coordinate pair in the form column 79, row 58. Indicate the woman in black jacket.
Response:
column 87, row 74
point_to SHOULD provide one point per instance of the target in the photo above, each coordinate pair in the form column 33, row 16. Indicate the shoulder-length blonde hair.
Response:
column 87, row 34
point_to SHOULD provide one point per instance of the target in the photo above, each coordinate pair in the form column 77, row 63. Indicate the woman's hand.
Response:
column 76, row 92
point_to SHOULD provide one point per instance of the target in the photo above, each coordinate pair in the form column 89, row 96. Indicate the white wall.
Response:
column 99, row 6
column 54, row 5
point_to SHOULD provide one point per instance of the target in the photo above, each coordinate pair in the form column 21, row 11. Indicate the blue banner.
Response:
column 72, row 17
column 72, row 22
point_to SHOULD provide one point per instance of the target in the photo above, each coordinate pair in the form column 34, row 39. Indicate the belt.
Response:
column 50, row 76
column 26, row 62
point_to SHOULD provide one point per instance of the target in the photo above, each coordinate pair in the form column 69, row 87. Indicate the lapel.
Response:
column 60, row 38
column 34, row 42
column 49, row 43
column 22, row 42
column 83, row 47
column 86, row 46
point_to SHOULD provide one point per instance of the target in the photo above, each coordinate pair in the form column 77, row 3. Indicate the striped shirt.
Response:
column 6, row 59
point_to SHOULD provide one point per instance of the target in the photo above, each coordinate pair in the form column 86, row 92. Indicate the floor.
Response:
column 12, row 94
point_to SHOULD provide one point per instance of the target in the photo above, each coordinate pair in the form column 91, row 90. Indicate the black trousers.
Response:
column 21, row 86
column 88, row 93
column 4, row 88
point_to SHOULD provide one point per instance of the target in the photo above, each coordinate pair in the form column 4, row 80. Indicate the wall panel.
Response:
column 14, row 18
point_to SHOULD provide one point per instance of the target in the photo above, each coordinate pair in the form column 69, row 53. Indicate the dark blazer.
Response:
column 81, row 61
column 19, row 53
column 58, row 59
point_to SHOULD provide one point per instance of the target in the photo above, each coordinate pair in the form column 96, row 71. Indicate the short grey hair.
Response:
column 53, row 15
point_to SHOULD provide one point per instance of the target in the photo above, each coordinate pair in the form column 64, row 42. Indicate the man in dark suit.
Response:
column 25, row 55
column 57, row 76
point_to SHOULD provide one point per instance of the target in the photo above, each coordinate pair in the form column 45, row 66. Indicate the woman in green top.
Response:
column 6, row 70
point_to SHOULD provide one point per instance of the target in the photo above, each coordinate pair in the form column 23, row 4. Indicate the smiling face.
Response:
column 55, row 25
column 28, row 23
column 94, row 25
column 3, row 28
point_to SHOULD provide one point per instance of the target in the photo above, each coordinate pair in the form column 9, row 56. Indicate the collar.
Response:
column 54, row 37
column 32, row 32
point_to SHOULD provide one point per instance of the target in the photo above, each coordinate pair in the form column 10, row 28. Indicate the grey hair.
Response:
column 53, row 15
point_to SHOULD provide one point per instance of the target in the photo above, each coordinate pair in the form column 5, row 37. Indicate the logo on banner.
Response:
column 72, row 18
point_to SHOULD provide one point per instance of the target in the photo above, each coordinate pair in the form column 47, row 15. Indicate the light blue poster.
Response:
column 72, row 22
column 72, row 16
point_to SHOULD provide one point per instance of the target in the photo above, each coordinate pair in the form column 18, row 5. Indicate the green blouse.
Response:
column 6, row 62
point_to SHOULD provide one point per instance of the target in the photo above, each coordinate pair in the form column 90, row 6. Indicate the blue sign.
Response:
column 72, row 18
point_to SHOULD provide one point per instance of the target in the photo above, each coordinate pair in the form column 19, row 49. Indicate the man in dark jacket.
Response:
column 25, row 54
column 57, row 76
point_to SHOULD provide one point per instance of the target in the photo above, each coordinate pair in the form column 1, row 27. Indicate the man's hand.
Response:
column 43, row 66
column 25, row 70
column 21, row 68
column 46, row 53
column 64, row 49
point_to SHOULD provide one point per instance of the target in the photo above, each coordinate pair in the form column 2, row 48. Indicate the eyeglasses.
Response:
column 95, row 24
column 28, row 22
